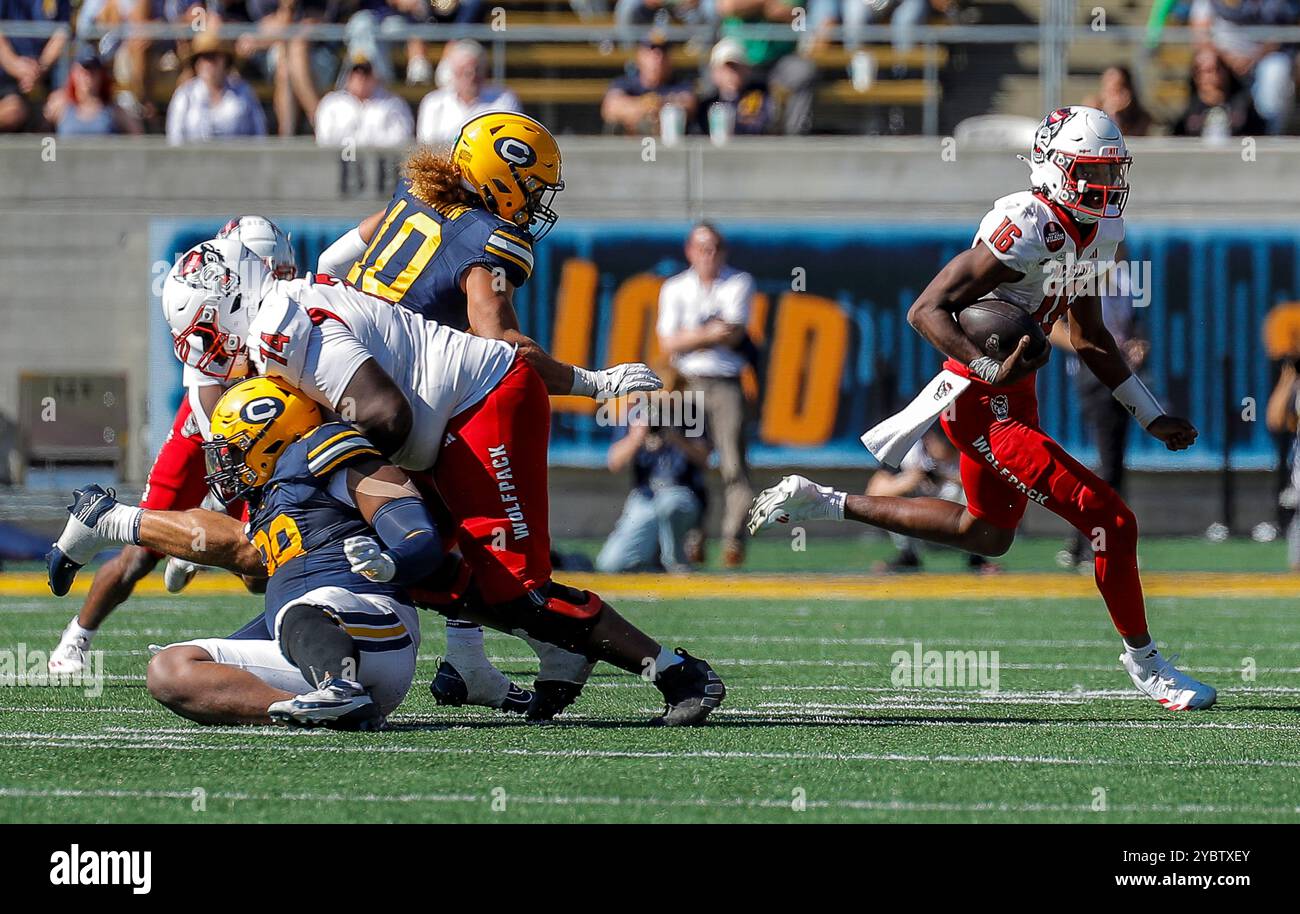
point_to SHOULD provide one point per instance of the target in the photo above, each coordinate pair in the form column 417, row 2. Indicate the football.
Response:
column 996, row 326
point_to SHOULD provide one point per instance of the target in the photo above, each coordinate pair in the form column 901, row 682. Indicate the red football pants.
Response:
column 492, row 476
column 1008, row 461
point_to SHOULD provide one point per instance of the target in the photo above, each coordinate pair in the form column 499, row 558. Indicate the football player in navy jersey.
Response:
column 343, row 537
column 323, row 503
column 452, row 245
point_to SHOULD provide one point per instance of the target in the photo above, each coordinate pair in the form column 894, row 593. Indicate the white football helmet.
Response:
column 209, row 299
column 265, row 239
column 1079, row 161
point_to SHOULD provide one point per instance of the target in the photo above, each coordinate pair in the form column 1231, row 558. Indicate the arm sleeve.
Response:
column 736, row 309
column 409, row 538
column 338, row 258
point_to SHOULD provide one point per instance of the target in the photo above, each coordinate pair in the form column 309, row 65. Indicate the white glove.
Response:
column 367, row 559
column 615, row 381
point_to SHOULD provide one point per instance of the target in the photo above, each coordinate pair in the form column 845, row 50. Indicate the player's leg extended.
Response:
column 175, row 481
column 217, row 681
column 492, row 475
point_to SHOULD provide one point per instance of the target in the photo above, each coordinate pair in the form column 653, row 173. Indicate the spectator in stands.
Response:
column 791, row 77
column 129, row 62
column 363, row 112
column 27, row 64
column 703, row 313
column 630, row 13
column 216, row 104
column 379, row 23
column 85, row 106
column 295, row 66
column 1219, row 106
column 1117, row 95
column 932, row 468
column 634, row 100
column 735, row 86
column 466, row 94
column 668, row 494
column 1265, row 68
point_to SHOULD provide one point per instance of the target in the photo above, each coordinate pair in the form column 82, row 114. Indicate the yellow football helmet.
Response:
column 513, row 163
column 252, row 424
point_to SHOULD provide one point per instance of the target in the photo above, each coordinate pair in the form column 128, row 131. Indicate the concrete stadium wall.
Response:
column 74, row 216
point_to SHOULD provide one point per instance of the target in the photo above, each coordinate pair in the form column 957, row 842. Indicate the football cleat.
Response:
column 561, row 675
column 70, row 657
column 1156, row 676
column 78, row 543
column 691, row 690
column 178, row 573
column 449, row 688
column 795, row 498
column 340, row 704
column 550, row 697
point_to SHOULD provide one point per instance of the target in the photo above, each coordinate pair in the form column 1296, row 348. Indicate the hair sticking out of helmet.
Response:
column 1080, row 162
column 435, row 180
column 514, row 166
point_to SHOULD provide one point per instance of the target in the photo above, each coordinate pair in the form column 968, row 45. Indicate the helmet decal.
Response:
column 263, row 409
column 1047, row 132
column 515, row 151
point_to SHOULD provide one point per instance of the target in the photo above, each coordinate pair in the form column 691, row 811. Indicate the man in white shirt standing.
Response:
column 363, row 112
column 463, row 93
column 703, row 312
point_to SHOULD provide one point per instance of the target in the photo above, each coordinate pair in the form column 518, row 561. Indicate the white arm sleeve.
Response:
column 338, row 258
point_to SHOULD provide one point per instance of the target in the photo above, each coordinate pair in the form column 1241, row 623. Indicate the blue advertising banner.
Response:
column 836, row 353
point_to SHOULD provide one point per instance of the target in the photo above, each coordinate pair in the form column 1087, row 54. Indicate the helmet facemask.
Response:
column 229, row 477
column 1095, row 187
column 209, row 350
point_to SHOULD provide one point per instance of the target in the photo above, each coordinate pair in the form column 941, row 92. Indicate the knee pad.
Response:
column 312, row 639
column 559, row 615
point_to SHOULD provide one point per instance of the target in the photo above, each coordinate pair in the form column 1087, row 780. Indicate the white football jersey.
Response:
column 316, row 335
column 1032, row 237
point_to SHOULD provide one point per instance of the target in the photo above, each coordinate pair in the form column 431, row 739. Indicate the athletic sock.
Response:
column 484, row 683
column 1143, row 653
column 81, row 635
column 121, row 524
column 465, row 644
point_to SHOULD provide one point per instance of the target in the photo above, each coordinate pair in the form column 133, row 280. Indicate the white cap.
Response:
column 728, row 50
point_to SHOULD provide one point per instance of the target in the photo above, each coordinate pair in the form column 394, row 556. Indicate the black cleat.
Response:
column 691, row 690
column 448, row 688
column 551, row 696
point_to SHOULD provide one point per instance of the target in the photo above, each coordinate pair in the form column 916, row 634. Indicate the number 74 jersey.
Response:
column 1033, row 236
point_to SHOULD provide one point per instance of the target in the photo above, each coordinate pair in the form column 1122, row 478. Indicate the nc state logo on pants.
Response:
column 1001, row 408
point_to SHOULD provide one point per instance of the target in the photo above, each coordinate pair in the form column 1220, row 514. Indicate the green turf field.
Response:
column 814, row 729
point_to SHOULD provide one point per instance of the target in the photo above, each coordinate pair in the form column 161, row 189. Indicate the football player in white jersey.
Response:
column 466, row 415
column 175, row 480
column 1042, row 249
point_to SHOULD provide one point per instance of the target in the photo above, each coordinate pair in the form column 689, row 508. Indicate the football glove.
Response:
column 368, row 560
column 615, row 381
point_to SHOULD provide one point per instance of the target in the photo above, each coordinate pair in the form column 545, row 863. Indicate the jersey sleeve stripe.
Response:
column 346, row 455
column 346, row 433
column 511, row 246
column 527, row 268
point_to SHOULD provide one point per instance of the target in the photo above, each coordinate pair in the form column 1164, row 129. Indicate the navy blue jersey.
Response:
column 420, row 253
column 299, row 527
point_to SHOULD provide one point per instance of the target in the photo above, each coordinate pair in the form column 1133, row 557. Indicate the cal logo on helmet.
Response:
column 515, row 151
column 263, row 409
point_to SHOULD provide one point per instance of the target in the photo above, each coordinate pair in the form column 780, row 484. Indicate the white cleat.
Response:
column 1156, row 676
column 795, row 498
column 338, row 703
column 70, row 657
column 178, row 573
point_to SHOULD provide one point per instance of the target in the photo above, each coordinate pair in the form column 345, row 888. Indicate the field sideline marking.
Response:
column 680, row 803
column 800, row 586
column 151, row 740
